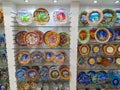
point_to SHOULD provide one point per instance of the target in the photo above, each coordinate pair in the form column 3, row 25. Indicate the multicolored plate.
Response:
column 96, row 49
column 112, row 34
column 31, row 39
column 117, row 60
column 109, row 49
column 92, row 34
column 81, row 62
column 48, row 56
column 109, row 17
column 36, row 56
column 117, row 22
column 105, row 62
column 24, row 17
column 82, row 18
column 99, row 59
column 41, row 16
column 2, row 38
column 102, row 35
column 24, row 57
column 52, row 38
column 64, row 39
column 117, row 34
column 84, row 49
column 65, row 73
column 19, row 38
column 92, row 61
column 115, row 82
column 83, row 35
column 21, row 75
column 32, row 74
column 1, row 16
column 94, row 17
column 60, row 16
column 41, row 35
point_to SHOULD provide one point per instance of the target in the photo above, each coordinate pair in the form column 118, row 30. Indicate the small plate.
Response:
column 99, row 59
column 109, row 49
column 82, row 18
column 117, row 22
column 60, row 16
column 1, row 16
column 2, row 38
column 81, row 62
column 105, row 62
column 52, row 38
column 84, row 49
column 32, row 75
column 109, row 17
column 64, row 39
column 48, row 56
column 118, row 49
column 102, row 35
column 117, row 60
column 21, row 75
column 83, row 35
column 24, row 57
column 41, row 16
column 96, row 49
column 31, row 39
column 94, row 17
column 65, row 74
column 117, row 34
column 24, row 17
column 91, row 61
column 92, row 34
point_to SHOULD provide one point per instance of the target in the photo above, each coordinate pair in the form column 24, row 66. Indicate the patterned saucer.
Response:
column 84, row 49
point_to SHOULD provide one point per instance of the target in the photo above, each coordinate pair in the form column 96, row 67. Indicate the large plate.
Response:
column 83, row 35
column 31, row 38
column 95, row 16
column 82, row 18
column 102, row 35
column 1, row 16
column 109, row 17
column 60, row 16
column 117, row 22
column 24, row 17
column 64, row 39
column 52, row 38
column 41, row 16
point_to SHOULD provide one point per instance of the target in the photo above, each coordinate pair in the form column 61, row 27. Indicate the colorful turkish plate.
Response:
column 1, row 16
column 112, row 34
column 19, row 38
column 83, row 35
column 82, row 18
column 21, row 75
column 24, row 17
column 52, row 38
column 25, row 86
column 117, row 61
column 81, row 62
column 117, row 22
column 41, row 34
column 41, row 16
column 93, row 76
column 84, row 49
column 64, row 39
column 99, row 59
column 117, row 33
column 54, row 73
column 109, row 17
column 115, row 82
column 43, row 73
column 94, row 17
column 105, row 62
column 118, row 49
column 24, row 57
column 65, row 74
column 91, row 61
column 92, row 34
column 109, row 49
column 36, row 56
column 60, row 16
column 31, row 39
column 102, row 35
column 32, row 74
column 60, row 57
column 48, row 56
column 96, row 49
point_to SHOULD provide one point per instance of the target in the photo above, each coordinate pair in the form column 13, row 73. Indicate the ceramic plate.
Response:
column 1, row 16
column 21, row 75
column 60, row 16
column 115, row 82
column 109, row 17
column 31, row 38
column 24, row 57
column 65, row 73
column 92, row 34
column 81, row 62
column 41, row 16
column 118, row 49
column 105, row 62
column 83, row 35
column 117, row 60
column 2, row 38
column 109, row 49
column 82, row 18
column 102, row 35
column 32, row 74
column 112, row 34
column 48, row 56
column 52, row 38
column 84, row 49
column 95, row 16
column 117, row 34
column 19, row 38
column 99, row 59
column 24, row 17
column 96, row 49
column 117, row 22
column 92, row 61
column 64, row 39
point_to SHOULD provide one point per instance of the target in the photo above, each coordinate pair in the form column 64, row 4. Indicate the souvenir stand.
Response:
column 98, row 47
